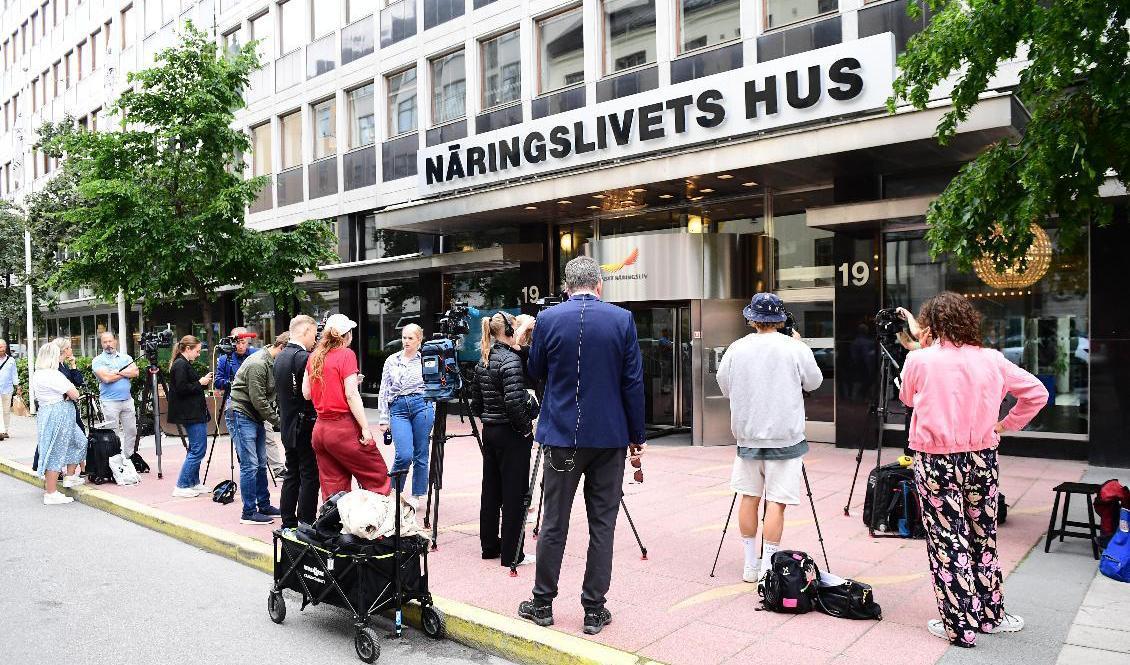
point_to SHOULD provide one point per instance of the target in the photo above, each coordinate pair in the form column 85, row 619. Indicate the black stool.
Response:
column 1088, row 490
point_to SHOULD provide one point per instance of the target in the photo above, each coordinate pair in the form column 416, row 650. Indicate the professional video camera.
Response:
column 153, row 340
column 790, row 324
column 227, row 345
column 456, row 321
column 888, row 323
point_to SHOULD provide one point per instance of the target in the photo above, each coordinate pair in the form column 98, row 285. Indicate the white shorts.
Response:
column 776, row 480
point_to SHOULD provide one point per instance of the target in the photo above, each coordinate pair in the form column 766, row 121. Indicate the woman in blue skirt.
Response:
column 61, row 442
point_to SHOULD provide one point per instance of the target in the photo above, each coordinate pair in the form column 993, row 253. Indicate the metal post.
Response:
column 121, row 322
column 30, row 342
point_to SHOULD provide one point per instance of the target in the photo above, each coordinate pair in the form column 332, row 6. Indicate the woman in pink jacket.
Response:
column 956, row 388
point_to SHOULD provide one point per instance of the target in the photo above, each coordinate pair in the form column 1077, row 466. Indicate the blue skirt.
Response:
column 61, row 442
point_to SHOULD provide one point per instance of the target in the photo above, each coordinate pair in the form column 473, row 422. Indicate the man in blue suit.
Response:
column 586, row 352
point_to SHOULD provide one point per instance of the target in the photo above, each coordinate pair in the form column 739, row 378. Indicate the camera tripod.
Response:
column 234, row 456
column 440, row 437
column 889, row 372
column 815, row 519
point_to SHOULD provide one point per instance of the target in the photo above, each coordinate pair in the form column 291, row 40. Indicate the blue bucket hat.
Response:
column 765, row 308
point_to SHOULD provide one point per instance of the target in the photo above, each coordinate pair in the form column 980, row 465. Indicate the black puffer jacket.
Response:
column 498, row 393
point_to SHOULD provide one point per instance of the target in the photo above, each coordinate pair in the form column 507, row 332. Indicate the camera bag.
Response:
column 845, row 598
column 790, row 584
column 439, row 367
column 101, row 445
column 891, row 504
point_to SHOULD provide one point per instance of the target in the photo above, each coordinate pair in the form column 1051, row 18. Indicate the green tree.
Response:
column 161, row 201
column 1076, row 85
column 12, row 227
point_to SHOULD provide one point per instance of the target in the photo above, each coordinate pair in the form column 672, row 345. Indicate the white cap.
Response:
column 341, row 323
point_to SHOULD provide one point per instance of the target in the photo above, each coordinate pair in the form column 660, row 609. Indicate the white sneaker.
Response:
column 937, row 629
column 1010, row 624
column 73, row 481
column 186, row 493
column 751, row 574
column 202, row 489
column 56, row 498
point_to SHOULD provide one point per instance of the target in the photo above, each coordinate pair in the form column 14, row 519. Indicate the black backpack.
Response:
column 891, row 504
column 789, row 585
column 101, row 445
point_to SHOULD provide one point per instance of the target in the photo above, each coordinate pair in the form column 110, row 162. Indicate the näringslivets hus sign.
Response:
column 828, row 82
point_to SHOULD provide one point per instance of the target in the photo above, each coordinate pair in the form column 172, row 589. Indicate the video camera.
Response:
column 456, row 321
column 153, row 340
column 550, row 301
column 888, row 325
column 227, row 345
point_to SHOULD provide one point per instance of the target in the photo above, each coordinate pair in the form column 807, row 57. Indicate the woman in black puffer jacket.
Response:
column 500, row 398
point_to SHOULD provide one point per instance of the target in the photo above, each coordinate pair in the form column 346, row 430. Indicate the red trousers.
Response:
column 337, row 445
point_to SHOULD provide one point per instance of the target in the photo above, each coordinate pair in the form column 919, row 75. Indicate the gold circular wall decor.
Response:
column 1020, row 274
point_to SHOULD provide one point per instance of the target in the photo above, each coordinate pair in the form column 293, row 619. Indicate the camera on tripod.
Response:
column 888, row 323
column 153, row 340
column 456, row 321
column 226, row 345
column 550, row 301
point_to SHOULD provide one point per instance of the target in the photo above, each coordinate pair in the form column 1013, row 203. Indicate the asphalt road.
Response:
column 83, row 586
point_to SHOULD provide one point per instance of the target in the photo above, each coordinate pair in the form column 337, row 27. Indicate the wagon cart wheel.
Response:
column 365, row 642
column 276, row 606
column 433, row 622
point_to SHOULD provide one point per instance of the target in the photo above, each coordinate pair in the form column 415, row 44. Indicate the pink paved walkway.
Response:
column 668, row 608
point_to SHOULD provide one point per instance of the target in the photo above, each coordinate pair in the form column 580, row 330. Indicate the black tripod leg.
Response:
column 631, row 523
column 811, row 502
column 541, row 501
column 858, row 463
column 723, row 538
column 527, row 500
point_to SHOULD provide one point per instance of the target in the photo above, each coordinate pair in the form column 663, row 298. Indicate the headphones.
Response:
column 507, row 324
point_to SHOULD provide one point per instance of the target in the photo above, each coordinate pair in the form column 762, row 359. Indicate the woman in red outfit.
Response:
column 342, row 440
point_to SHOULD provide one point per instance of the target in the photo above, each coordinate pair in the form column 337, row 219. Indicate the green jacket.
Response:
column 253, row 390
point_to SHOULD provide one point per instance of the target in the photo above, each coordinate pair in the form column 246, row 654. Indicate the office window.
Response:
column 359, row 9
column 708, row 22
column 57, row 11
column 35, row 28
column 232, row 42
column 401, row 102
column 292, row 26
column 628, row 33
column 290, row 129
column 81, row 56
column 23, row 38
column 502, row 70
column 69, row 59
column 362, row 124
column 262, row 32
column 326, row 14
column 325, row 128
column 94, row 119
column 783, row 12
column 58, row 78
column 449, row 88
column 94, row 40
column 126, row 27
column 7, row 123
column 169, row 9
column 261, row 150
column 34, row 95
column 43, row 83
column 152, row 16
column 561, row 50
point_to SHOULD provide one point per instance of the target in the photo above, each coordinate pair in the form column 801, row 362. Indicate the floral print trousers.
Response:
column 959, row 508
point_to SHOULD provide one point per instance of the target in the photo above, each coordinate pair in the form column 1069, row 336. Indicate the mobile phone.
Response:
column 388, row 437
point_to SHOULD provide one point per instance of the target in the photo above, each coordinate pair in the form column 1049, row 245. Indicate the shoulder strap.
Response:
column 6, row 359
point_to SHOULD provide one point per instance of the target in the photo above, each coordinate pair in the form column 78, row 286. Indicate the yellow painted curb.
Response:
column 508, row 637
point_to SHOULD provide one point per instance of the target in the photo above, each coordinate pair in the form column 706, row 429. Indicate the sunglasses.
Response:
column 637, row 464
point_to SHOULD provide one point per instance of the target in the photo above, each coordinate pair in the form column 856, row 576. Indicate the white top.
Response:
column 763, row 375
column 50, row 386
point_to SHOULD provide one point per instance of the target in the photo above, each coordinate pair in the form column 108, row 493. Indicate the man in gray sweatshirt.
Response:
column 765, row 375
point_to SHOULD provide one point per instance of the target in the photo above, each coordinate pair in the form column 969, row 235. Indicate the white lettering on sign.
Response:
column 806, row 87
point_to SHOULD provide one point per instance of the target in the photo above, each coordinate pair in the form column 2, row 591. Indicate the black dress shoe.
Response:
column 596, row 619
column 539, row 612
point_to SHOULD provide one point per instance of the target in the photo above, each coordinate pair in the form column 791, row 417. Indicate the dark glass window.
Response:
column 892, row 17
column 441, row 11
column 807, row 37
column 714, row 61
column 398, row 22
column 626, row 84
column 398, row 157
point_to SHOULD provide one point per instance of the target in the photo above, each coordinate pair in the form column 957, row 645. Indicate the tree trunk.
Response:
column 206, row 310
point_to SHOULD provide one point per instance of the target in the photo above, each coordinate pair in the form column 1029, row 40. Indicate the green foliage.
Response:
column 11, row 266
column 158, row 206
column 83, row 363
column 1076, row 86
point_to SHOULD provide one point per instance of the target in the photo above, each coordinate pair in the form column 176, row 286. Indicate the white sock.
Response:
column 767, row 552
column 750, row 552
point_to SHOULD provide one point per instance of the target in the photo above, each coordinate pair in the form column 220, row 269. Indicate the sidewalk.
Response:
column 667, row 608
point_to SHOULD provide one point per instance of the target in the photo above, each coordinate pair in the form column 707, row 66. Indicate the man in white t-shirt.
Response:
column 765, row 375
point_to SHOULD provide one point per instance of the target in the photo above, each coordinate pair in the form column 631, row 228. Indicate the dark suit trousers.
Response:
column 603, row 472
column 299, row 501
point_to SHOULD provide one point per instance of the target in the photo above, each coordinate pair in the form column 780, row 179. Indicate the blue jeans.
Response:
column 197, row 446
column 251, row 445
column 410, row 418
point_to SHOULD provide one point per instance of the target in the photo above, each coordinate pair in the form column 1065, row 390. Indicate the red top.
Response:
column 328, row 392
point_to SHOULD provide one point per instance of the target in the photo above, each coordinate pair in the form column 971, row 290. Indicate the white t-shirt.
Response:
column 51, row 387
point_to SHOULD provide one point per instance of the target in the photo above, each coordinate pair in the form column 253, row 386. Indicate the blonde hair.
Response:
column 48, row 356
column 187, row 342
column 528, row 334
column 413, row 329
column 63, row 343
column 298, row 324
column 493, row 327
column 331, row 339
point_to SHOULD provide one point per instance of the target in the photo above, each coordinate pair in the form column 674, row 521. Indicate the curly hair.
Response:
column 950, row 317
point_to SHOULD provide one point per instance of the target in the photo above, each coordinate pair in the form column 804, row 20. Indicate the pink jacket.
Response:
column 956, row 392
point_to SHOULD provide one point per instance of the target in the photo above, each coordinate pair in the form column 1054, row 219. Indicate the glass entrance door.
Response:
column 664, row 332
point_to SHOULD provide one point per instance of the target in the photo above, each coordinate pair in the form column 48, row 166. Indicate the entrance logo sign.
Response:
column 630, row 259
column 670, row 266
column 817, row 85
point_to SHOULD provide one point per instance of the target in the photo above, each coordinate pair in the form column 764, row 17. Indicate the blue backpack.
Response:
column 440, row 367
column 1115, row 562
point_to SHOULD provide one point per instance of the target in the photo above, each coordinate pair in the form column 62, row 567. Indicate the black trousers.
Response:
column 603, row 473
column 299, row 501
column 506, row 478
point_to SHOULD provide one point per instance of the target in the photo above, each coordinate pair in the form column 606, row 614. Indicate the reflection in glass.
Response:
column 561, row 51
column 359, row 103
column 449, row 88
column 781, row 12
column 502, row 70
column 389, row 307
column 629, row 33
column 402, row 102
column 708, row 22
column 325, row 128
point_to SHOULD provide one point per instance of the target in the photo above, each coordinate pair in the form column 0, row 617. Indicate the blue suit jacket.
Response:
column 611, row 381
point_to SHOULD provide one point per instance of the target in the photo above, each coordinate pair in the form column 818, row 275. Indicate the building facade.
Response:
column 702, row 150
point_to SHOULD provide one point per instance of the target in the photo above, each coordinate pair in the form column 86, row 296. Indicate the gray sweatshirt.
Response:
column 763, row 374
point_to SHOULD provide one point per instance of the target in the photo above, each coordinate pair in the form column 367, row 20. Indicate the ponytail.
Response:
column 484, row 342
column 187, row 342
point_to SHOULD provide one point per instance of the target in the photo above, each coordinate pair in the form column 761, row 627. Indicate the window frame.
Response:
column 538, row 21
column 605, row 44
column 283, row 153
column 251, row 131
column 678, row 31
column 349, row 114
column 280, row 26
column 482, row 42
column 765, row 29
column 432, row 83
column 388, row 101
column 314, row 128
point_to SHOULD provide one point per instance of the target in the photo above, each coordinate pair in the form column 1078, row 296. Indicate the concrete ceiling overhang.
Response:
column 798, row 158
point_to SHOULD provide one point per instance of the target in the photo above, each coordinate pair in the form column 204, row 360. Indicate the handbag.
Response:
column 1115, row 562
column 846, row 599
column 19, row 407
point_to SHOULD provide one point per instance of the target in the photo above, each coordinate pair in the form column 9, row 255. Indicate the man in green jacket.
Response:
column 253, row 403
